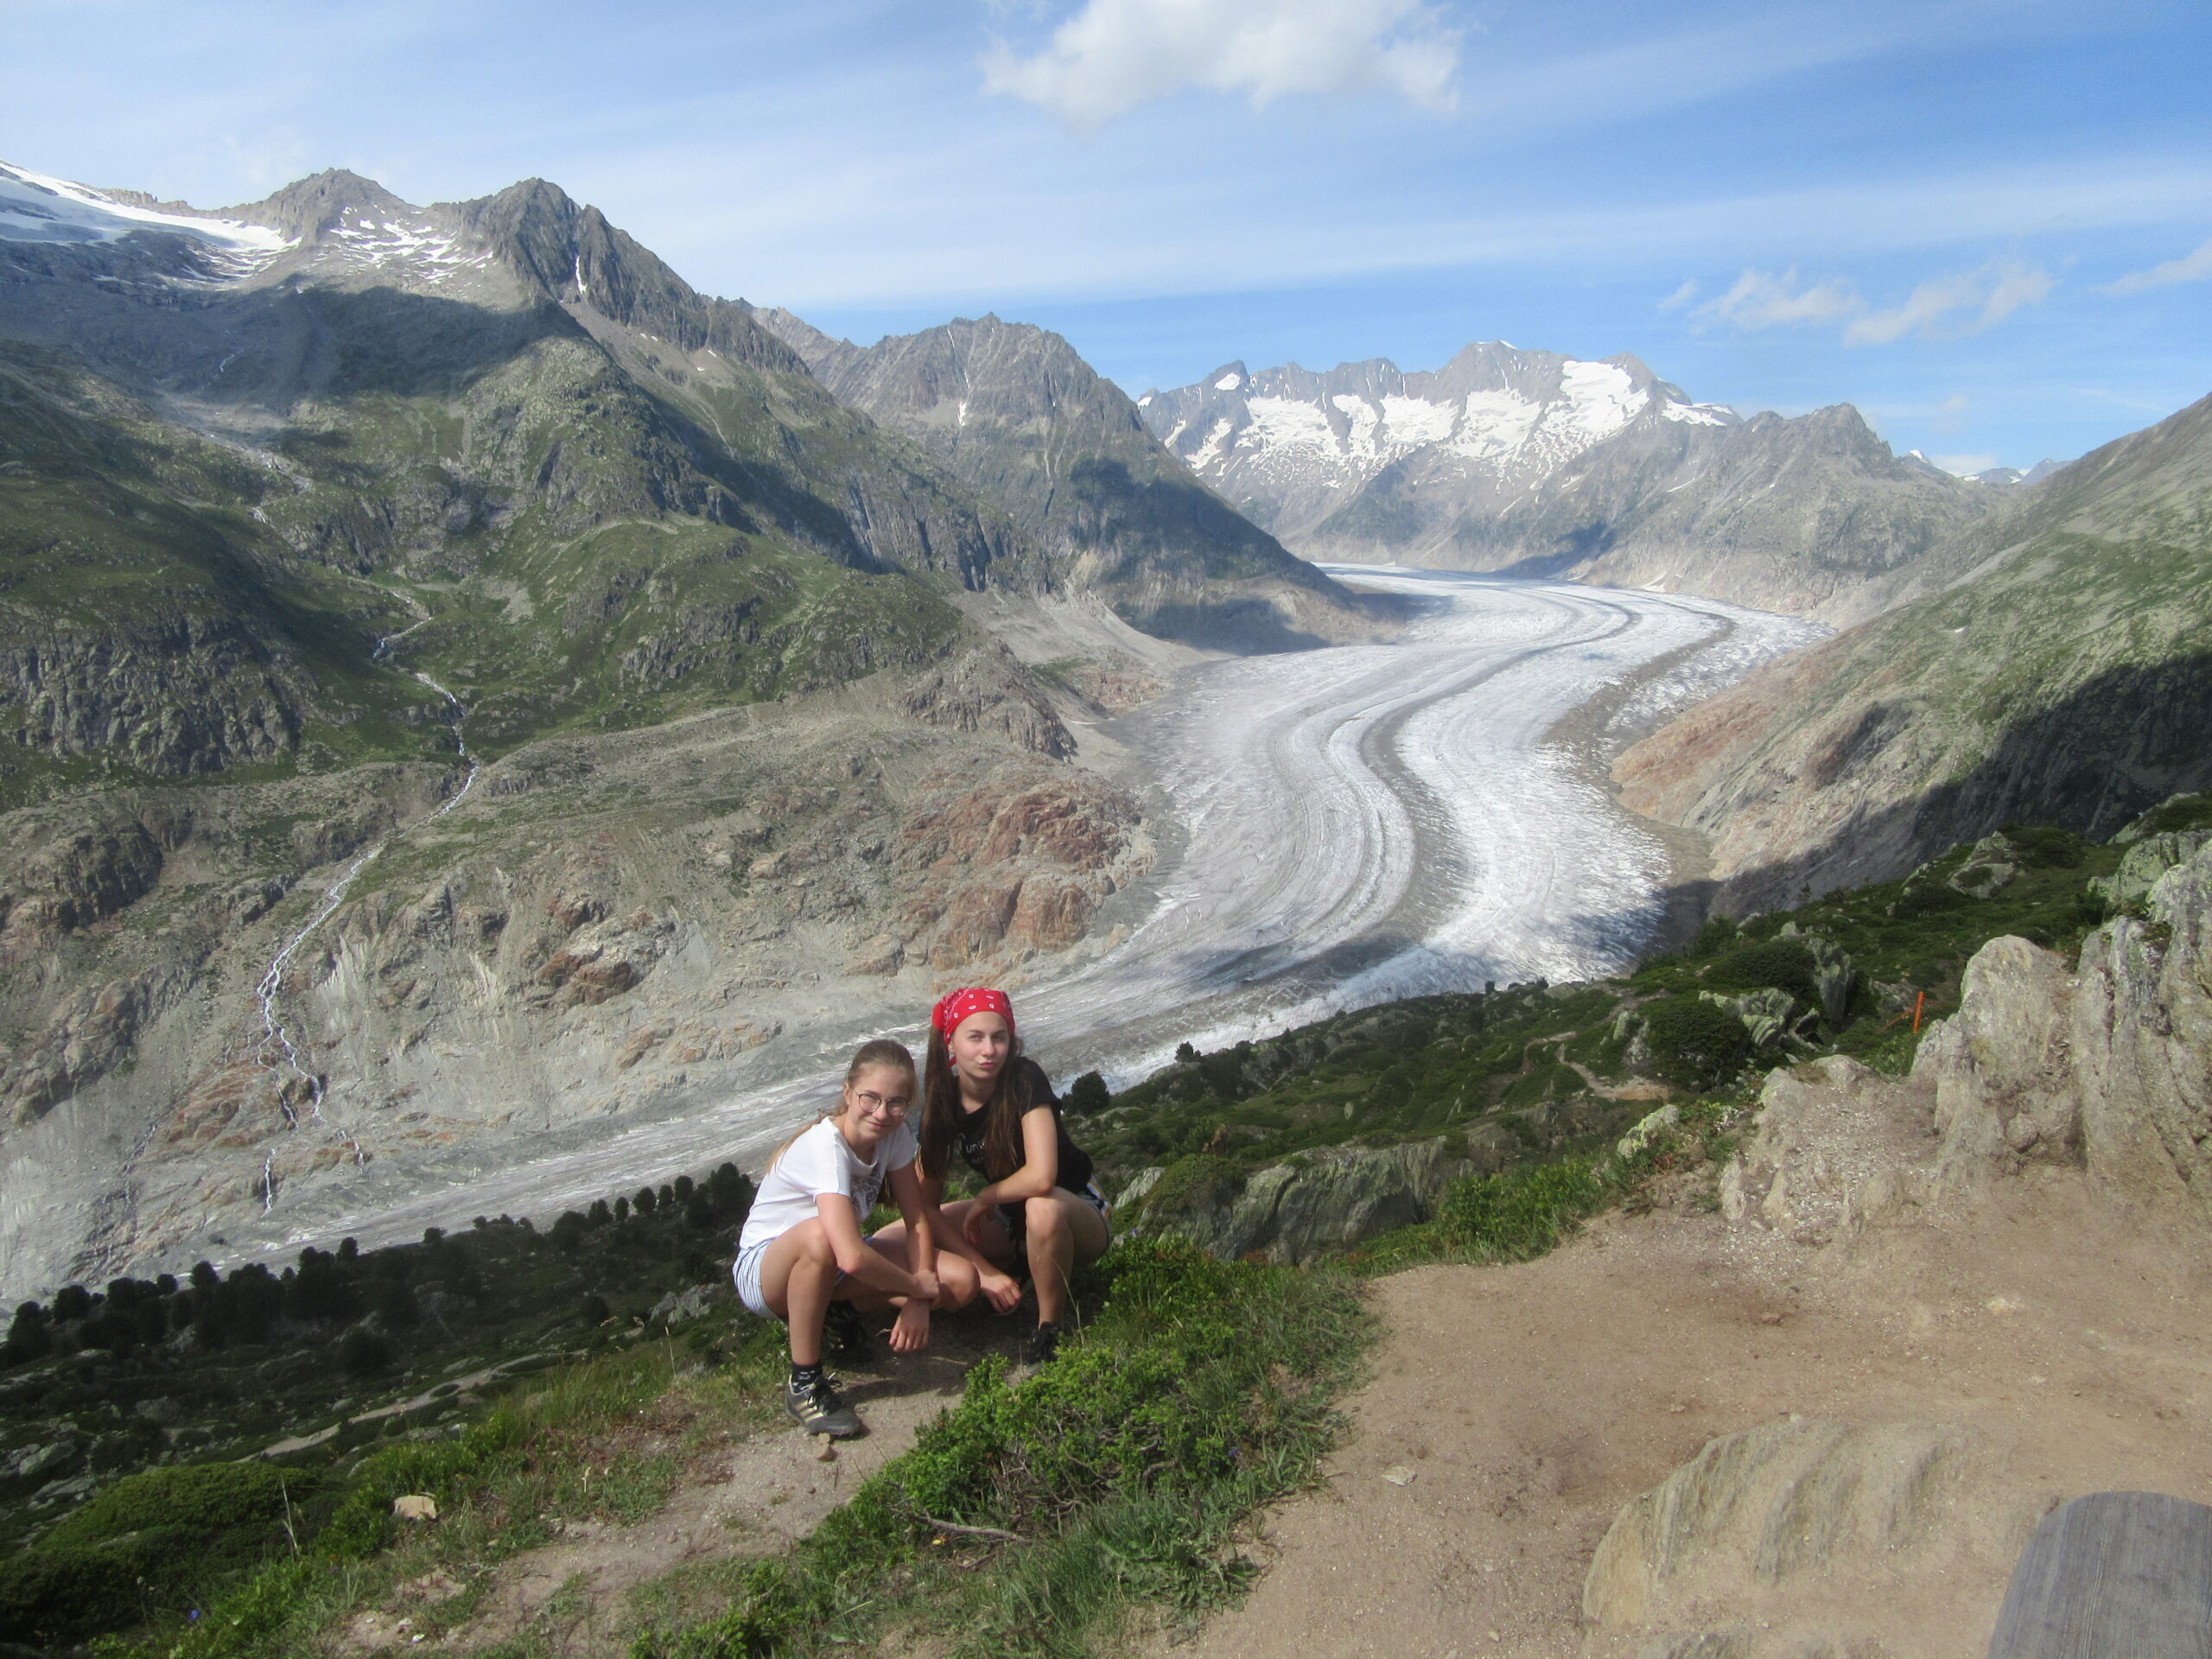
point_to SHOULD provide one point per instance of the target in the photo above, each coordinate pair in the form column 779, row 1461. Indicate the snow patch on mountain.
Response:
column 381, row 244
column 37, row 208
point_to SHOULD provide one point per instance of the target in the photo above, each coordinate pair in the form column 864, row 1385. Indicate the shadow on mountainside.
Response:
column 2108, row 751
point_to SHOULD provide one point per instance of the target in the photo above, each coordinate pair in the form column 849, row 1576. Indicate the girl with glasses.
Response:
column 801, row 1255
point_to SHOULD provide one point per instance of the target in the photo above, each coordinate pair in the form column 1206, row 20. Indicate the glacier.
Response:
column 1356, row 824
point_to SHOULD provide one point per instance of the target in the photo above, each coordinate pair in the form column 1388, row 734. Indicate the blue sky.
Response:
column 1987, row 223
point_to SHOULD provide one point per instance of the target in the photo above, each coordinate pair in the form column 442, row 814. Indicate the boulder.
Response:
column 1805, row 1537
column 2109, row 1066
column 681, row 1307
column 2146, row 861
column 1327, row 1199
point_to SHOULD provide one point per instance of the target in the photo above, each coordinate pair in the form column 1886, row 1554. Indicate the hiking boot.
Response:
column 821, row 1410
column 1042, row 1344
column 841, row 1325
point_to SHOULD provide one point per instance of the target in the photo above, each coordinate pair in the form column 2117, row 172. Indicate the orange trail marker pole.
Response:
column 1919, row 1004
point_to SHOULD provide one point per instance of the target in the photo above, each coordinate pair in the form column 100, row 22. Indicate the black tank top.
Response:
column 1075, row 1170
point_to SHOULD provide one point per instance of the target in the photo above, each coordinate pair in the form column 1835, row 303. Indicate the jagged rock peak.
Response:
column 305, row 208
column 569, row 252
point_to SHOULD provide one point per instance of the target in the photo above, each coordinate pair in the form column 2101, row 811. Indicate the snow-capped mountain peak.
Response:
column 1305, row 441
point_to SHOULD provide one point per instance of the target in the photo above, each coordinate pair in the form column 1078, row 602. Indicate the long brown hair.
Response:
column 879, row 1050
column 1003, row 1152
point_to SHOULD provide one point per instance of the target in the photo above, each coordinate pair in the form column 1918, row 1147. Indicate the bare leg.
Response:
column 797, row 1277
column 1062, row 1231
column 955, row 1275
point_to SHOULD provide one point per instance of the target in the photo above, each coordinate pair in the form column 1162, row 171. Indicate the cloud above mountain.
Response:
column 2189, row 267
column 1943, row 306
column 1114, row 55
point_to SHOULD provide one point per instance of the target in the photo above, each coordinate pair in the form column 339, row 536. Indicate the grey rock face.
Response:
column 1599, row 472
column 2145, row 861
column 1328, row 1200
column 2107, row 1069
column 1817, row 1537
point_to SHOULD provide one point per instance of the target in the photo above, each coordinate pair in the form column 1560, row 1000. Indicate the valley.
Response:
column 486, row 728
column 1337, row 828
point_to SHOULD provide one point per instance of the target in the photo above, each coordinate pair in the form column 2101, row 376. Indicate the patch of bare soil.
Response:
column 1920, row 1398
column 747, row 1499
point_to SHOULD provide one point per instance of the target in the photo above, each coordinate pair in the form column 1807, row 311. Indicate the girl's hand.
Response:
column 1000, row 1291
column 910, row 1332
column 971, row 1225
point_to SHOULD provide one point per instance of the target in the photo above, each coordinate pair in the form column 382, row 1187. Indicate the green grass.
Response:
column 1107, row 1486
column 1111, row 1481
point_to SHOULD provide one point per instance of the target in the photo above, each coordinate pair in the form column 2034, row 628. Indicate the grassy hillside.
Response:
column 491, row 1368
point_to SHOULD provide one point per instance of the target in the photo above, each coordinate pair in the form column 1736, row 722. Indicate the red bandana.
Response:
column 956, row 1006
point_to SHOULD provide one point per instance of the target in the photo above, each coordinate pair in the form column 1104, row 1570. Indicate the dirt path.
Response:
column 746, row 1499
column 2048, row 1347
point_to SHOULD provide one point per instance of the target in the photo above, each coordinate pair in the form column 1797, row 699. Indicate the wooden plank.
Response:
column 2114, row 1575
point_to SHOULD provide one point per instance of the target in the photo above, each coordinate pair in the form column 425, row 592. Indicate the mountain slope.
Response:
column 2058, row 667
column 273, row 483
column 572, row 489
column 1017, row 414
column 1600, row 472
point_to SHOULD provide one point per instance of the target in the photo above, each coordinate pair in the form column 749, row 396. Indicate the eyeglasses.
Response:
column 874, row 1104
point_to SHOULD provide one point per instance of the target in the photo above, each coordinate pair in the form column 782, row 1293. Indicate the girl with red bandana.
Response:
column 985, row 1101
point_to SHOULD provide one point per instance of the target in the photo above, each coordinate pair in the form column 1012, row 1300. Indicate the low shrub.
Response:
column 1695, row 1044
column 1201, row 1390
column 1780, row 965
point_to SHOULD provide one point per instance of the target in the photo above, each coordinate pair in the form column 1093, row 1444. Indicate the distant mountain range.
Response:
column 1529, row 462
column 495, row 397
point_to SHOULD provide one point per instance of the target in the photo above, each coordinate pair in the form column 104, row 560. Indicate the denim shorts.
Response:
column 745, row 1272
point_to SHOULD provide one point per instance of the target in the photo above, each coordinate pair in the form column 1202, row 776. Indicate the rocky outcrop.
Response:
column 1817, row 1536
column 2105, row 1068
column 1315, row 1203
column 2144, row 862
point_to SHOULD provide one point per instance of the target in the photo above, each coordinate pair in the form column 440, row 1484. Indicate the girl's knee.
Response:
column 960, row 1280
column 1043, row 1215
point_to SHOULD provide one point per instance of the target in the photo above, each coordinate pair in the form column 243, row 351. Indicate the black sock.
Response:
column 805, row 1376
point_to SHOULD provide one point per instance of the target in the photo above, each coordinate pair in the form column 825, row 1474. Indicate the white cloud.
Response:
column 1762, row 299
column 1965, row 466
column 1990, row 295
column 1681, row 297
column 2189, row 267
column 1114, row 54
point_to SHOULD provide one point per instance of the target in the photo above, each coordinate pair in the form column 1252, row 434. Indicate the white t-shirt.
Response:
column 820, row 1161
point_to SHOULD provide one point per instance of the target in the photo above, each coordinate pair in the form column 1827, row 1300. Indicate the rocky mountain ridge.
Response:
column 1530, row 461
column 2054, row 664
column 1013, row 411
